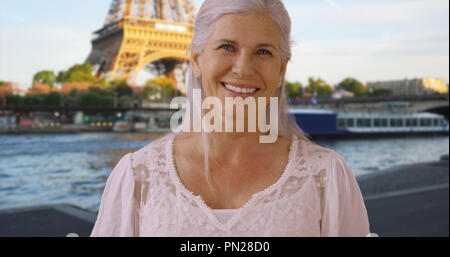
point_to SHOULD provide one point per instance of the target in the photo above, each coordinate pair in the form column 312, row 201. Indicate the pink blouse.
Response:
column 317, row 195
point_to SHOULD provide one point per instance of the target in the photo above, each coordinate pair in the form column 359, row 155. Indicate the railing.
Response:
column 329, row 100
column 43, row 108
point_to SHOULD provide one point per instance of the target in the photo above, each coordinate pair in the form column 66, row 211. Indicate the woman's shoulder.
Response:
column 314, row 159
column 152, row 156
column 316, row 153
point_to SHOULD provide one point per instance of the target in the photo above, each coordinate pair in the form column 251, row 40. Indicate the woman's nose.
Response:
column 243, row 67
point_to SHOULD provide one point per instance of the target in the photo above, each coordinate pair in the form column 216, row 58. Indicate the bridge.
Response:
column 437, row 103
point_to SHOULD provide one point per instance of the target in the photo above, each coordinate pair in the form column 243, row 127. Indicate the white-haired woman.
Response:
column 229, row 183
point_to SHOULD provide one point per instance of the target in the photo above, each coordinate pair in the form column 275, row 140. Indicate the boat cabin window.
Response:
column 411, row 122
column 363, row 123
column 346, row 123
column 436, row 122
column 425, row 123
column 350, row 123
column 380, row 123
column 396, row 122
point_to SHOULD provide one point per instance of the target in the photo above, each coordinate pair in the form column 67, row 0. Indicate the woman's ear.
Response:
column 196, row 64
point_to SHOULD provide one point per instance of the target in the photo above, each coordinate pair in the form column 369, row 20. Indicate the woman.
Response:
column 230, row 184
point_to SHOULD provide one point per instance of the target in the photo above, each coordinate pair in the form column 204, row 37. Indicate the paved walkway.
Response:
column 46, row 221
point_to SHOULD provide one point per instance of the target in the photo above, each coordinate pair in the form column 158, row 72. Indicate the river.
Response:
column 73, row 168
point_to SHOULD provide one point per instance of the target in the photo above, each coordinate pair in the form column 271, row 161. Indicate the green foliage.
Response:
column 149, row 90
column 104, row 83
column 54, row 99
column 381, row 92
column 162, row 86
column 14, row 100
column 93, row 99
column 101, row 91
column 125, row 101
column 320, row 86
column 2, row 82
column 293, row 89
column 77, row 73
column 122, row 88
column 353, row 85
column 45, row 77
column 35, row 99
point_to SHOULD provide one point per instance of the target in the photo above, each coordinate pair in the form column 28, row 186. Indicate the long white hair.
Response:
column 209, row 12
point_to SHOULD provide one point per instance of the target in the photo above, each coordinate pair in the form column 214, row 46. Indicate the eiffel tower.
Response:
column 138, row 33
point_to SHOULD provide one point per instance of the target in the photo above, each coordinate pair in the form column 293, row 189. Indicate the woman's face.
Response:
column 241, row 58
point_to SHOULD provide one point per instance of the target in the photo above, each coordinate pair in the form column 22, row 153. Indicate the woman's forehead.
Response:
column 246, row 27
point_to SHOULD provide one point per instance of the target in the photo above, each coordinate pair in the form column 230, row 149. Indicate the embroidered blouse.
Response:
column 317, row 195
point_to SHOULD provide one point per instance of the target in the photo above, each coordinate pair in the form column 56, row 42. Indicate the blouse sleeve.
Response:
column 118, row 213
column 344, row 213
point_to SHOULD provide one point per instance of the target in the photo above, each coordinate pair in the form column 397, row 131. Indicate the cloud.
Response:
column 393, row 57
column 11, row 17
column 378, row 12
column 25, row 51
column 333, row 4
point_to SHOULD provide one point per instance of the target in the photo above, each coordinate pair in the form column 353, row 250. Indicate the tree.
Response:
column 45, row 77
column 293, row 89
column 164, row 86
column 319, row 86
column 14, row 100
column 381, row 92
column 77, row 73
column 54, row 99
column 35, row 99
column 93, row 99
column 122, row 88
column 101, row 91
column 149, row 90
column 354, row 86
column 125, row 101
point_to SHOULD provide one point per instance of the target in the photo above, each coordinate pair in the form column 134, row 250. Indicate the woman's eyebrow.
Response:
column 225, row 41
column 235, row 43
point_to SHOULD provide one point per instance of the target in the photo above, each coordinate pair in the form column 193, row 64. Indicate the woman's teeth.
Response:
column 240, row 90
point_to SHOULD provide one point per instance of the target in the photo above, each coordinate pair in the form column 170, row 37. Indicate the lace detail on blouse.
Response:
column 317, row 195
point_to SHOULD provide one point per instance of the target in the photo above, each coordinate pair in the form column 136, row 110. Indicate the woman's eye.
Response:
column 264, row 52
column 227, row 48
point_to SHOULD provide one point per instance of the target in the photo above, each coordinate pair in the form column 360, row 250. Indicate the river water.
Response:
column 73, row 168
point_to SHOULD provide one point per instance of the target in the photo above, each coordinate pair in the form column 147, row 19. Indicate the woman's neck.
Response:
column 234, row 148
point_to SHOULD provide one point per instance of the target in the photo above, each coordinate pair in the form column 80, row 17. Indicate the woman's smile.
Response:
column 237, row 89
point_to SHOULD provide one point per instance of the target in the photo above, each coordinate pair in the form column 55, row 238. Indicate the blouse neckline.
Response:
column 239, row 211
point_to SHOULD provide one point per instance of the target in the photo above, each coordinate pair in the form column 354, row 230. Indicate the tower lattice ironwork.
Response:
column 137, row 33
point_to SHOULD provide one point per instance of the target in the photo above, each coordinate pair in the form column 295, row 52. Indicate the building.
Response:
column 417, row 86
column 39, row 88
column 67, row 87
column 6, row 88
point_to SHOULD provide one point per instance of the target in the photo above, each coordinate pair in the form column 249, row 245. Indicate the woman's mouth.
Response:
column 240, row 91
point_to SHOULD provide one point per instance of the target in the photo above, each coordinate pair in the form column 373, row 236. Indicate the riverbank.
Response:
column 405, row 177
column 408, row 200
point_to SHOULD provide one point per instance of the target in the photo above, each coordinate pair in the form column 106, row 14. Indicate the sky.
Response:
column 370, row 40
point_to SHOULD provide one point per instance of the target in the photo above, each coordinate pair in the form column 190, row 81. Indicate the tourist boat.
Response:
column 330, row 124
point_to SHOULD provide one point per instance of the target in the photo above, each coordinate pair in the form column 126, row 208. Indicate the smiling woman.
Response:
column 228, row 183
